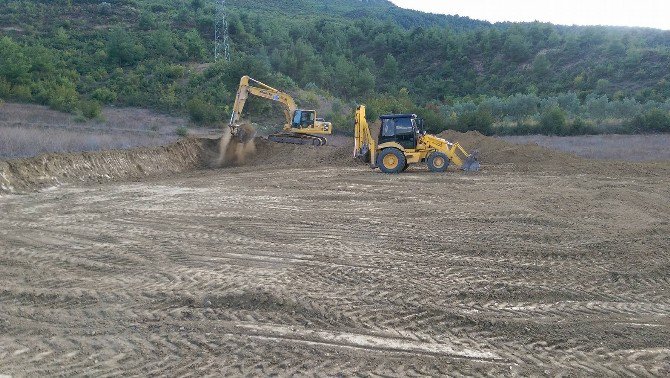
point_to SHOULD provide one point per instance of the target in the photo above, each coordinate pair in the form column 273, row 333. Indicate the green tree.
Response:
column 516, row 48
column 123, row 48
column 195, row 45
column 655, row 120
column 553, row 121
column 541, row 66
column 480, row 120
column 390, row 69
column 14, row 64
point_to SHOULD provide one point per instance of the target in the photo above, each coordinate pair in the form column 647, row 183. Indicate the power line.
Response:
column 221, row 37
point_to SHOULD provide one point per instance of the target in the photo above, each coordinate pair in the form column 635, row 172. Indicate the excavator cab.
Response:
column 404, row 129
column 303, row 119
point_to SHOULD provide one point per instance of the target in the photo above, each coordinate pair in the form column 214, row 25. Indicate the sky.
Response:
column 645, row 13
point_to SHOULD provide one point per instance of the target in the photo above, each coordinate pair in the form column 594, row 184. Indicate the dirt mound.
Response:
column 48, row 170
column 27, row 175
column 497, row 154
column 269, row 153
column 493, row 151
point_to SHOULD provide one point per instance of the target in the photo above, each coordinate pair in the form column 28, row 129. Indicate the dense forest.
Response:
column 77, row 55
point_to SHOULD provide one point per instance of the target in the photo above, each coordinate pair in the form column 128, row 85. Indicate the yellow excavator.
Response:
column 302, row 126
column 402, row 141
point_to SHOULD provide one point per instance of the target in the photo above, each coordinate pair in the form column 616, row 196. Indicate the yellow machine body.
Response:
column 392, row 157
column 302, row 125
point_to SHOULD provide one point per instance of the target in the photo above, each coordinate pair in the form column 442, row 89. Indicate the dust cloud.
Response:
column 233, row 151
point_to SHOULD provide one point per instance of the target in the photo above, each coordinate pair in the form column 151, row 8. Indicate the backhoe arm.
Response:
column 364, row 145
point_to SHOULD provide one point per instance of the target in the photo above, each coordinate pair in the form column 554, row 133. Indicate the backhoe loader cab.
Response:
column 402, row 141
column 404, row 129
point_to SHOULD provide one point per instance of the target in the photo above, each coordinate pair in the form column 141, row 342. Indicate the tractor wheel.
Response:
column 437, row 162
column 391, row 160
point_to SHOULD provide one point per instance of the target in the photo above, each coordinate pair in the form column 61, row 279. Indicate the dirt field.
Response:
column 540, row 264
column 610, row 147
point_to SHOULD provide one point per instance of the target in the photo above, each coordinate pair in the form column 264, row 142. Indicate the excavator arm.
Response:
column 263, row 91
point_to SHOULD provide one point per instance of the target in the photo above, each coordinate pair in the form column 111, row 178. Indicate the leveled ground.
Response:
column 539, row 264
column 610, row 147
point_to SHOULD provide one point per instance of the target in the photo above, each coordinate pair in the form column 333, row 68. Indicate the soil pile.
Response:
column 497, row 154
column 270, row 153
column 48, row 170
column 493, row 151
column 26, row 175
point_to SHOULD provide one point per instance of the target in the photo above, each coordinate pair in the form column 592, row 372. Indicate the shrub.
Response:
column 5, row 88
column 123, row 48
column 21, row 93
column 553, row 122
column 655, row 120
column 78, row 116
column 90, row 109
column 580, row 127
column 196, row 48
column 182, row 131
column 104, row 95
column 481, row 121
column 63, row 97
column 201, row 112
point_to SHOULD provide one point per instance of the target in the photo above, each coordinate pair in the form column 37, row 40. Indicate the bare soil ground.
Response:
column 610, row 147
column 303, row 261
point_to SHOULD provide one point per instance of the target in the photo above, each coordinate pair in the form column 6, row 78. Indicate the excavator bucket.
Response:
column 471, row 163
column 244, row 132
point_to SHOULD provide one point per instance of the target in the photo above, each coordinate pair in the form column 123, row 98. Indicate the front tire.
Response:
column 437, row 162
column 391, row 160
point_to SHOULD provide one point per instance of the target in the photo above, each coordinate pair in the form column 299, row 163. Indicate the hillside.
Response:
column 75, row 55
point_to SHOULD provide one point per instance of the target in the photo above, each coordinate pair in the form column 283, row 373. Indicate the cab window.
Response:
column 308, row 118
column 388, row 127
column 296, row 118
column 404, row 126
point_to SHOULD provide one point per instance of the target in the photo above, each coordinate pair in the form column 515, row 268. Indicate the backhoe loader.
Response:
column 302, row 126
column 402, row 141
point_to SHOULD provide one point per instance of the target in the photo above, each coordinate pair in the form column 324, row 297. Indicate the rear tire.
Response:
column 391, row 160
column 437, row 162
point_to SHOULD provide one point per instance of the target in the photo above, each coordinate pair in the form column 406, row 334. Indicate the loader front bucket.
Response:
column 471, row 163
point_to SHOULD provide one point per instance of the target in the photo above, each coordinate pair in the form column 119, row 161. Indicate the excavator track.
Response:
column 294, row 138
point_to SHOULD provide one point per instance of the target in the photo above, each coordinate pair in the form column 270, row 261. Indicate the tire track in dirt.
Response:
column 246, row 273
